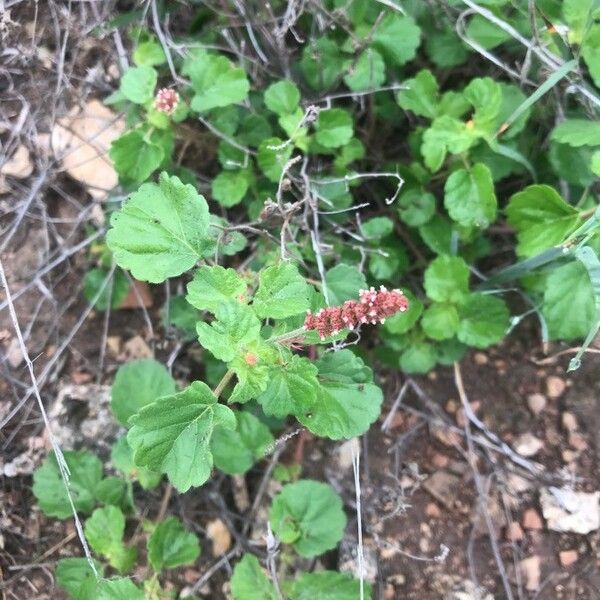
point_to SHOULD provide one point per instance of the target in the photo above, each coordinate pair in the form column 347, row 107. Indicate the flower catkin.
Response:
column 166, row 100
column 374, row 306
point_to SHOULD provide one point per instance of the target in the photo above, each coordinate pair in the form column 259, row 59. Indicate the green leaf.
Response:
column 116, row 492
column 282, row 97
column 595, row 164
column 75, row 576
column 334, row 128
column 104, row 531
column 327, row 585
column 404, row 321
column 292, row 388
column 541, row 217
column 115, row 291
column 397, row 37
column 138, row 83
column 367, row 73
column 390, row 263
column 577, row 14
column 309, row 515
column 446, row 134
column 343, row 283
column 178, row 313
column 236, row 451
column 485, row 95
column 121, row 456
column 170, row 545
column 347, row 401
column 421, row 96
column 249, row 581
column 272, row 157
column 590, row 51
column 377, row 227
column 149, row 54
column 229, row 187
column 419, row 357
column 161, row 231
column 484, row 320
column 235, row 327
column 135, row 157
column 215, row 81
column 577, row 132
column 282, row 292
column 252, row 378
column 119, row 589
column 569, row 306
column 437, row 234
column 48, row 487
column 485, row 33
column 469, row 196
column 446, row 49
column 138, row 383
column 572, row 163
column 440, row 321
column 447, row 279
column 416, row 207
column 322, row 63
column 213, row 286
column 172, row 435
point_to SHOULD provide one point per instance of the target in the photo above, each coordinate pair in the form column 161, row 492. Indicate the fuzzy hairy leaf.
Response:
column 309, row 515
column 170, row 545
column 172, row 435
column 161, row 231
column 484, row 320
column 75, row 576
column 447, row 279
column 213, row 286
column 249, row 581
column 282, row 292
column 327, row 585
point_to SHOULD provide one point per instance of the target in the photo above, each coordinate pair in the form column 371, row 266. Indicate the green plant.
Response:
column 328, row 177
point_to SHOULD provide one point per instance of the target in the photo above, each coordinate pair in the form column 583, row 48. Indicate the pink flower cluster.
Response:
column 166, row 100
column 372, row 307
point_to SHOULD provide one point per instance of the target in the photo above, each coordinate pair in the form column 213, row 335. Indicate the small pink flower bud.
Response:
column 166, row 100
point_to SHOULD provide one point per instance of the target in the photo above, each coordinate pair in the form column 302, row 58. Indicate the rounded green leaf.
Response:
column 328, row 585
column 484, row 320
column 416, row 207
column 419, row 357
column 120, row 588
column 282, row 97
column 49, row 489
column 404, row 321
column 236, row 451
column 138, row 83
column 230, row 187
column 212, row 286
column 569, row 306
column 397, row 37
column 170, row 545
column 137, row 384
column 469, row 196
column 115, row 290
column 447, row 279
column 309, row 515
column 322, row 63
column 377, row 227
column 440, row 321
column 250, row 582
column 343, row 283
column 149, row 54
column 367, row 73
column 282, row 292
column 421, row 95
column 272, row 157
column 161, row 231
column 334, row 128
column 135, row 157
column 75, row 576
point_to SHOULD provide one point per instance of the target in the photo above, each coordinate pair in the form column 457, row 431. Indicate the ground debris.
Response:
column 444, row 487
column 567, row 510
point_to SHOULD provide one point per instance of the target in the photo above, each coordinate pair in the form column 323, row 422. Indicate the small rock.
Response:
column 532, row 519
column 517, row 484
column 567, row 558
column 348, row 562
column 398, row 579
column 389, row 592
column 577, row 441
column 569, row 456
column 569, row 421
column 14, row 355
column 480, row 358
column 531, row 571
column 136, row 347
column 19, row 165
column 344, row 454
column 528, row 445
column 460, row 413
column 439, row 461
column 514, row 532
column 451, row 406
column 113, row 344
column 139, row 295
column 443, row 487
column 432, row 511
column 536, row 403
column 567, row 510
column 467, row 590
column 555, row 386
column 220, row 537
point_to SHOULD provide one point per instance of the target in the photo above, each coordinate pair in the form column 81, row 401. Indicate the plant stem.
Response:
column 223, row 383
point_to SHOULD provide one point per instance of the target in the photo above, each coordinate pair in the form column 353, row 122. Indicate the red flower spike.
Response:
column 372, row 307
column 166, row 100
